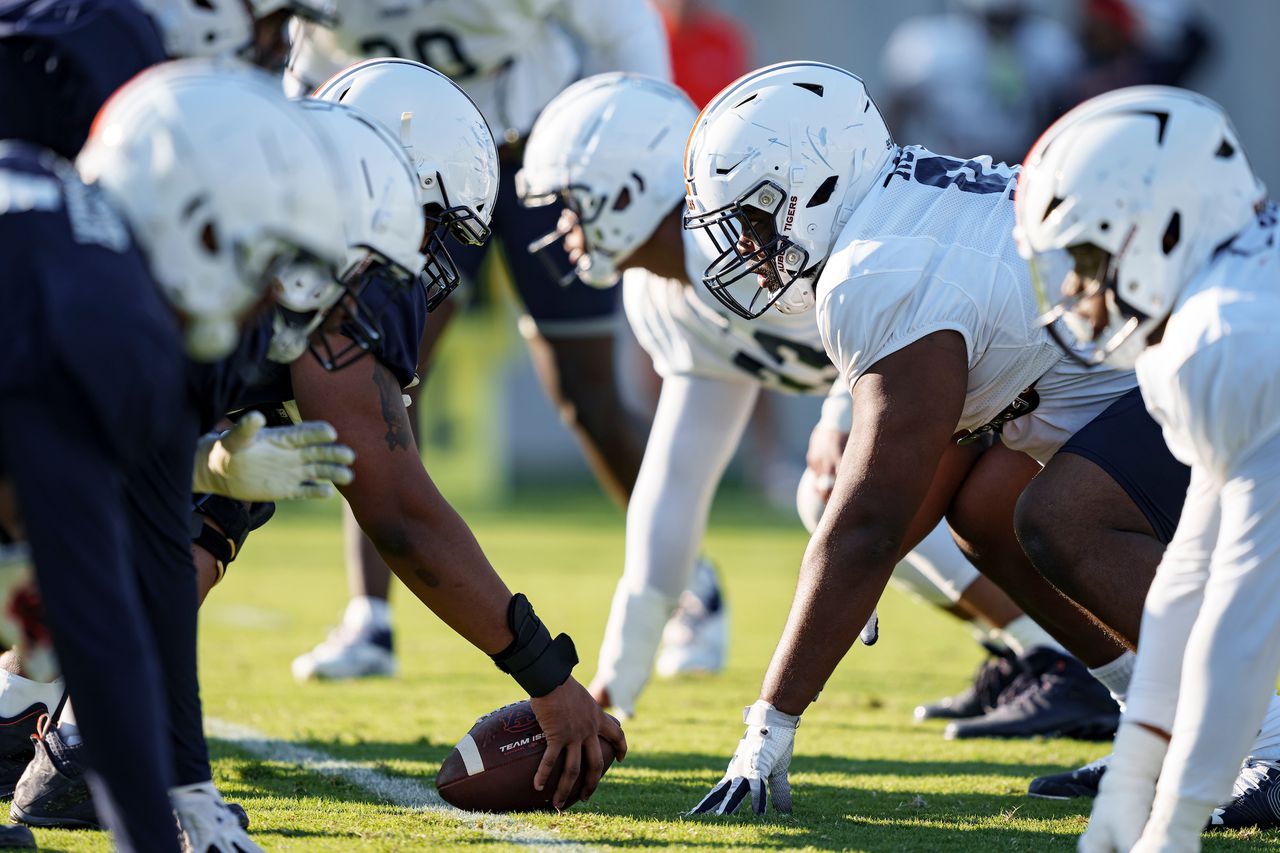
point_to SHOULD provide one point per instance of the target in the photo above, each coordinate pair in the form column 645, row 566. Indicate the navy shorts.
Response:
column 578, row 309
column 1126, row 442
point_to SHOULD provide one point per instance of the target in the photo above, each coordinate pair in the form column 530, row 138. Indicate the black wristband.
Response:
column 538, row 663
column 236, row 518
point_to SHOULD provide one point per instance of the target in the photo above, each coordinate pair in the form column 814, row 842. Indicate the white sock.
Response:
column 67, row 728
column 365, row 611
column 17, row 694
column 1267, row 745
column 1115, row 676
column 1023, row 634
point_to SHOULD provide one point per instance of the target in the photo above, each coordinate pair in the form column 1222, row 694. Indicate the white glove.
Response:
column 207, row 825
column 252, row 463
column 1127, row 790
column 1174, row 826
column 870, row 631
column 763, row 754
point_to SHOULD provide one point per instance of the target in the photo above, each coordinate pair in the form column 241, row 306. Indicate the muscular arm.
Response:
column 424, row 541
column 905, row 410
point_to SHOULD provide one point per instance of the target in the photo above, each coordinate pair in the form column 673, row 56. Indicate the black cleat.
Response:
column 992, row 678
column 1255, row 798
column 16, row 749
column 53, row 791
column 1082, row 782
column 16, row 837
column 1053, row 696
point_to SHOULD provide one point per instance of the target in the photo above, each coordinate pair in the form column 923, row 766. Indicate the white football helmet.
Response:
column 775, row 166
column 1149, row 181
column 194, row 28
column 449, row 142
column 384, row 224
column 225, row 184
column 610, row 147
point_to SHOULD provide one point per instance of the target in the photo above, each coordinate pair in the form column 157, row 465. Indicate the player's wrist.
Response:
column 538, row 663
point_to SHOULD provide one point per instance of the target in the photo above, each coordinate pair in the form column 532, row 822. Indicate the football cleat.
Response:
column 350, row 651
column 53, row 791
column 1053, row 696
column 207, row 822
column 15, row 836
column 1255, row 798
column 696, row 637
column 16, row 748
column 994, row 675
column 1081, row 782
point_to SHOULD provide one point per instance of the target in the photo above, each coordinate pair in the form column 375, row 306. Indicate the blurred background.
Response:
column 962, row 77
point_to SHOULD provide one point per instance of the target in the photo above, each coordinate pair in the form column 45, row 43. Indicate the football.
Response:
column 492, row 767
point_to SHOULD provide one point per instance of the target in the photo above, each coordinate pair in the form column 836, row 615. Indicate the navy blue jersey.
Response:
column 402, row 318
column 61, row 59
column 77, row 304
column 218, row 388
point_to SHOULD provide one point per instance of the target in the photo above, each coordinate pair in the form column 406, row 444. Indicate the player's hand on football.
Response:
column 759, row 767
column 253, row 462
column 826, row 446
column 573, row 724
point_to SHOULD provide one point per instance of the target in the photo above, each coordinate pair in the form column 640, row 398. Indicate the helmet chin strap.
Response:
column 802, row 295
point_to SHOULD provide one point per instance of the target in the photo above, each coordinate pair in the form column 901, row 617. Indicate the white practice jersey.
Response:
column 1213, row 381
column 931, row 249
column 688, row 333
column 511, row 56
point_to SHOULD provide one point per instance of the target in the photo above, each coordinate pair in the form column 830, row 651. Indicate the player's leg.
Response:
column 363, row 644
column 695, row 432
column 1066, row 700
column 93, row 608
column 1228, row 670
column 1097, row 519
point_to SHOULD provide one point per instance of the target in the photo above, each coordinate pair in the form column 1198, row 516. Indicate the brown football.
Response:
column 491, row 769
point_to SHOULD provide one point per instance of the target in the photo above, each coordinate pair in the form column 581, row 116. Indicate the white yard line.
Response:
column 397, row 790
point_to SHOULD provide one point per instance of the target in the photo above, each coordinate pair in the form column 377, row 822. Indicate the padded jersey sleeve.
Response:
column 1213, row 411
column 871, row 315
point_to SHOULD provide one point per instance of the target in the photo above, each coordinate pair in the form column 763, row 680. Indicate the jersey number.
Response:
column 784, row 351
column 438, row 48
column 967, row 176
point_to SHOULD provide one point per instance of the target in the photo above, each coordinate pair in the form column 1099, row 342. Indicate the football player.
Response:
column 1141, row 208
column 512, row 58
column 610, row 147
column 215, row 221
column 450, row 156
column 926, row 308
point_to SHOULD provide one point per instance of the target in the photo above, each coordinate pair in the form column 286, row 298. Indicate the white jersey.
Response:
column 511, row 56
column 931, row 249
column 1212, row 381
column 688, row 333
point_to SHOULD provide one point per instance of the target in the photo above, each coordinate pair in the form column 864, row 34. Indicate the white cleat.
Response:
column 350, row 651
column 696, row 638
column 207, row 825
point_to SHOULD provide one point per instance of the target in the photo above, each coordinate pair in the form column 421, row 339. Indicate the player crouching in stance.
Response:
column 611, row 148
column 1142, row 207
column 217, row 216
column 926, row 308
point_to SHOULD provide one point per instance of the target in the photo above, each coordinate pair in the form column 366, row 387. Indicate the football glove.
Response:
column 207, row 824
column 1124, row 797
column 762, row 758
column 252, row 462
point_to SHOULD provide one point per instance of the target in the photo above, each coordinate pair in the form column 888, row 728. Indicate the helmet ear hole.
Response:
column 1225, row 150
column 209, row 238
column 623, row 201
column 823, row 194
column 1172, row 233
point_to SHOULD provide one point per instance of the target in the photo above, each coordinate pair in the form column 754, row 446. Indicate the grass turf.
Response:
column 864, row 776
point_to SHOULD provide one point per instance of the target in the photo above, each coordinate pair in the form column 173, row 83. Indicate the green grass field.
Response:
column 865, row 777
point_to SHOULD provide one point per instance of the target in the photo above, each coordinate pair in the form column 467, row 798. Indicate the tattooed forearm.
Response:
column 398, row 435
